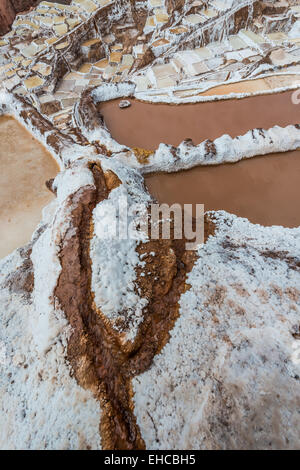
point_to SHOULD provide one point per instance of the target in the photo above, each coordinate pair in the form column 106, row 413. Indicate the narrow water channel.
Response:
column 25, row 165
column 146, row 125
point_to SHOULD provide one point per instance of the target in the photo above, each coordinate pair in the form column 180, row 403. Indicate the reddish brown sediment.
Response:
column 98, row 361
column 54, row 138
column 146, row 125
column 263, row 189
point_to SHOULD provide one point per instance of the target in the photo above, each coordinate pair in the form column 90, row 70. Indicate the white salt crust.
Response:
column 114, row 260
column 42, row 406
column 229, row 376
column 166, row 95
column 232, row 360
column 227, row 149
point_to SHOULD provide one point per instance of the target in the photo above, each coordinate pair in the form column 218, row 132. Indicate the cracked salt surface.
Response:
column 228, row 378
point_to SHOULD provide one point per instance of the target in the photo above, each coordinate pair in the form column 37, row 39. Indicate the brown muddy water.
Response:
column 264, row 189
column 146, row 125
column 25, row 165
column 252, row 86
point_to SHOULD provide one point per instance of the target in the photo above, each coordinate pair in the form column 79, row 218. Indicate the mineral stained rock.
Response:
column 124, row 104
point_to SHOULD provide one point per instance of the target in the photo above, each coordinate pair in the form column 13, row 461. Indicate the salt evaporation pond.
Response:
column 263, row 189
column 146, row 125
column 25, row 165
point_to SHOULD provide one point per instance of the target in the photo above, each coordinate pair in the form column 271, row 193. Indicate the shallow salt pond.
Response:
column 264, row 189
column 25, row 165
column 146, row 125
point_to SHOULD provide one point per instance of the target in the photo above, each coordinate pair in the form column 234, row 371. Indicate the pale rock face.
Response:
column 229, row 377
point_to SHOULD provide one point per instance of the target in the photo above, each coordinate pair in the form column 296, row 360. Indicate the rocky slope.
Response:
column 7, row 16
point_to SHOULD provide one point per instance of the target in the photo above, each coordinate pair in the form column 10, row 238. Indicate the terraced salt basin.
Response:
column 146, row 125
column 25, row 165
column 264, row 189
